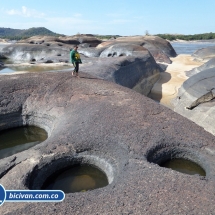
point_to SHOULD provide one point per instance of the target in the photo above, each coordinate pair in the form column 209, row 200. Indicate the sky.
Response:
column 110, row 17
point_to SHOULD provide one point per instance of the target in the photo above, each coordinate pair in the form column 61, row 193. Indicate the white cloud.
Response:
column 25, row 12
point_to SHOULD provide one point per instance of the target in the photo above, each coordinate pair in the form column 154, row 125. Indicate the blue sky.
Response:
column 123, row 17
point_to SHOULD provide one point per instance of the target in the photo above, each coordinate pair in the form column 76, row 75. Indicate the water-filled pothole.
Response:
column 77, row 178
column 181, row 159
column 19, row 139
column 184, row 166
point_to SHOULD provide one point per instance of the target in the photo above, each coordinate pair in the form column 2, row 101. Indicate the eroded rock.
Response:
column 160, row 49
column 209, row 64
column 112, row 127
column 196, row 99
column 204, row 54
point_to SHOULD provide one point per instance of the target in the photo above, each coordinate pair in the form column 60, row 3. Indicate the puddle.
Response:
column 34, row 68
column 19, row 139
column 184, row 166
column 78, row 178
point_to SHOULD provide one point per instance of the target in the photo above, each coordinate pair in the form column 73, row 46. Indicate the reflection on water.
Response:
column 184, row 166
column 19, row 139
column 33, row 68
column 77, row 178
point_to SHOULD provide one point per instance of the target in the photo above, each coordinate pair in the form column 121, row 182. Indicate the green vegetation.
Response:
column 102, row 37
column 206, row 36
column 18, row 34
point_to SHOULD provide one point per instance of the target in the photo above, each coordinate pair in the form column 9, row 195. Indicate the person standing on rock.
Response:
column 75, row 60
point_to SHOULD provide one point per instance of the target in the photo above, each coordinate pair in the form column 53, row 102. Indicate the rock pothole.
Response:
column 71, row 174
column 183, row 160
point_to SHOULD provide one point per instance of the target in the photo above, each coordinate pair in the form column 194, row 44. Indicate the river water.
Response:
column 190, row 47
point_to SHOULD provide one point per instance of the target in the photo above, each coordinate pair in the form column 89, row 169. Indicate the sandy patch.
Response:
column 171, row 80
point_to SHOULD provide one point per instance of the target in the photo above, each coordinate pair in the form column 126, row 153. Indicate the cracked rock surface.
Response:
column 110, row 125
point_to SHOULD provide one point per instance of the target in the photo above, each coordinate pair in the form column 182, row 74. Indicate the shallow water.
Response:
column 184, row 166
column 79, row 178
column 19, row 139
column 33, row 68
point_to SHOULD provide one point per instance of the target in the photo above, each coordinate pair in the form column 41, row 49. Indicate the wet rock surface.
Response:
column 196, row 98
column 108, row 125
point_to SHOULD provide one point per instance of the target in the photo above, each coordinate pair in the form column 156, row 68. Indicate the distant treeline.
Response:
column 206, row 36
column 106, row 36
column 18, row 34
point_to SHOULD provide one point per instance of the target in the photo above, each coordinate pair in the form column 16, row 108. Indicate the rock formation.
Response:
column 110, row 126
column 1, row 64
column 204, row 54
column 136, row 72
column 196, row 101
column 160, row 49
column 125, row 64
column 209, row 64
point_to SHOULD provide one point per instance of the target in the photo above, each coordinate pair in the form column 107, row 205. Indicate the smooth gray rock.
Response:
column 204, row 54
column 209, row 64
column 123, row 49
column 91, row 52
column 120, row 131
column 82, row 40
column 139, row 73
column 160, row 49
column 1, row 64
column 195, row 99
column 22, row 52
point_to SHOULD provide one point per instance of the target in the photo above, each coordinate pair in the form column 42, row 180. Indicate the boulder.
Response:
column 120, row 131
column 196, row 99
column 1, row 64
column 138, row 71
column 160, row 49
column 87, row 38
column 123, row 49
column 82, row 40
column 209, row 64
column 91, row 51
column 204, row 54
column 22, row 52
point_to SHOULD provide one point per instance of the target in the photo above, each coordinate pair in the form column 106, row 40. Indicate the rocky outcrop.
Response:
column 82, row 40
column 133, row 66
column 114, row 128
column 139, row 73
column 204, row 54
column 22, row 52
column 160, row 49
column 196, row 99
column 209, row 64
column 1, row 64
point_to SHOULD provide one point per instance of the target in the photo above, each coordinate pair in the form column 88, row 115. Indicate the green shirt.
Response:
column 75, row 57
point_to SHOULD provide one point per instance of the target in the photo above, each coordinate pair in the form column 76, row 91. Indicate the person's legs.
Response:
column 73, row 69
column 77, row 69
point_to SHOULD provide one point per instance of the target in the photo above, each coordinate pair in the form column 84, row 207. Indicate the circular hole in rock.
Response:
column 77, row 173
column 179, row 159
column 19, row 139
column 77, row 178
column 184, row 166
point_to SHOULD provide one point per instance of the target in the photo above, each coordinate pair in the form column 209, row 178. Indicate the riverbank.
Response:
column 171, row 80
